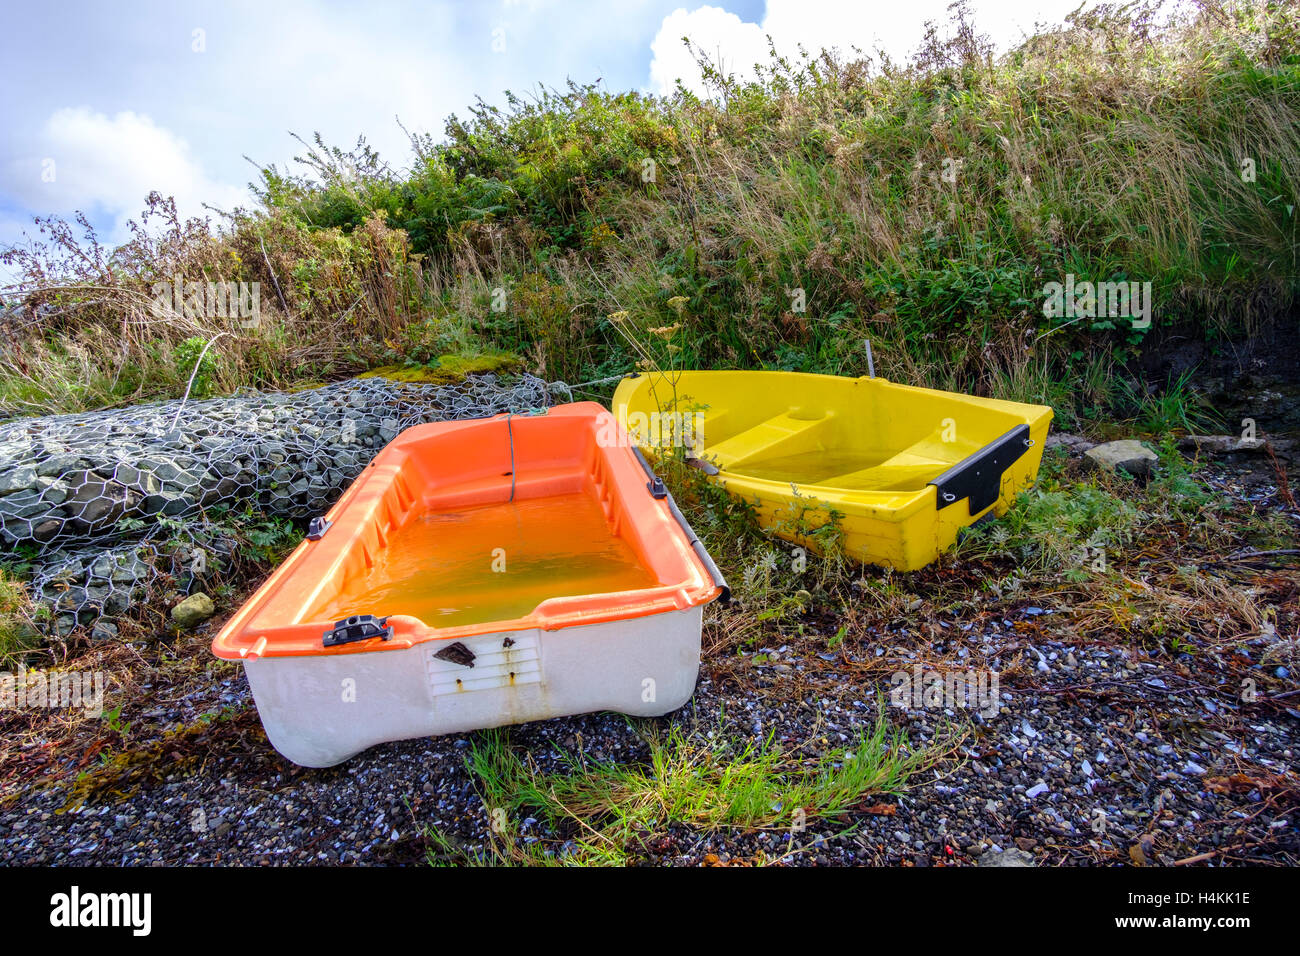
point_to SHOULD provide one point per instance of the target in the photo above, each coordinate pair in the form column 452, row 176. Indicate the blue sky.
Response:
column 117, row 99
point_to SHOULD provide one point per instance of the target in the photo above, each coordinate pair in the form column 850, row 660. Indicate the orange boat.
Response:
column 479, row 573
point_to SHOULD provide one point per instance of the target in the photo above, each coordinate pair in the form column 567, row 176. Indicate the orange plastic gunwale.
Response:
column 651, row 518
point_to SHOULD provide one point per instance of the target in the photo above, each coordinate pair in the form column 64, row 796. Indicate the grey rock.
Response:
column 102, row 567
column 130, row 569
column 183, row 481
column 1130, row 455
column 172, row 459
column 160, row 468
column 59, row 464
column 195, row 609
column 273, row 451
column 1008, row 857
column 117, row 602
column 28, row 503
column 1222, row 444
column 169, row 503
column 52, row 490
column 1074, row 445
column 96, row 502
column 47, row 529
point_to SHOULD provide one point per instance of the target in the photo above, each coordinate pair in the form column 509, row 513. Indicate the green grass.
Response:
column 18, row 631
column 1176, row 406
column 1059, row 527
column 609, row 809
column 266, row 540
column 1063, row 528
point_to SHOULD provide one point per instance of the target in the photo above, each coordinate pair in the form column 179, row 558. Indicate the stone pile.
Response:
column 104, row 502
column 77, row 477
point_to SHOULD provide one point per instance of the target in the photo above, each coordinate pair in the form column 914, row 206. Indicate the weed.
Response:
column 1059, row 528
column 18, row 618
column 1175, row 407
column 196, row 365
column 611, row 808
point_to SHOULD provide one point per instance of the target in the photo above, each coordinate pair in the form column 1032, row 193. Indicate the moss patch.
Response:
column 447, row 369
column 180, row 751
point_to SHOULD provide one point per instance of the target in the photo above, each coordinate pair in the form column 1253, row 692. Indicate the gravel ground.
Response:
column 1094, row 757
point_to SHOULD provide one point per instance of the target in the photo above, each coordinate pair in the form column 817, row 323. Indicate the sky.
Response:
column 116, row 99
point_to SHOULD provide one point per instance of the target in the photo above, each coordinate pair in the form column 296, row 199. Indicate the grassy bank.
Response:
column 922, row 205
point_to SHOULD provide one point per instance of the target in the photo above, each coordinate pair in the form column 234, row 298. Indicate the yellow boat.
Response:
column 892, row 472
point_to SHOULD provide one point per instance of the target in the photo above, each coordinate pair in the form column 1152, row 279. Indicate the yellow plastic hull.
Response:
column 896, row 471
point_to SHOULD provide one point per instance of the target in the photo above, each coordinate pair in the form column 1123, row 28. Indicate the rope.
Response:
column 562, row 386
column 511, row 433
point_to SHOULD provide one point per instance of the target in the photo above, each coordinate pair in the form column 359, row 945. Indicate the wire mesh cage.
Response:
column 102, row 504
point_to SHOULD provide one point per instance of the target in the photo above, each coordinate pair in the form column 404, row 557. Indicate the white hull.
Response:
column 320, row 710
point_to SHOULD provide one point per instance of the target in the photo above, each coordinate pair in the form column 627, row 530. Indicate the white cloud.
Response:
column 149, row 111
column 723, row 37
column 896, row 28
column 107, row 165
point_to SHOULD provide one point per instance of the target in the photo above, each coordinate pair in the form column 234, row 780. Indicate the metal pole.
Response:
column 871, row 366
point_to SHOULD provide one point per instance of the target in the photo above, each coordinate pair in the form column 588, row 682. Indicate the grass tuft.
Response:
column 605, row 812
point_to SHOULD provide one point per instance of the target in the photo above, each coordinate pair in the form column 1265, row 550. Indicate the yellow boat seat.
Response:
column 788, row 433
